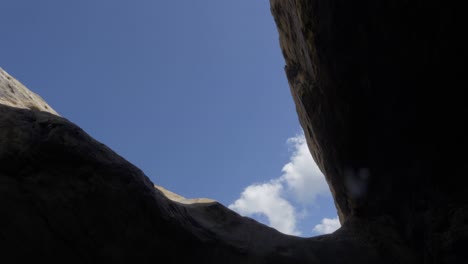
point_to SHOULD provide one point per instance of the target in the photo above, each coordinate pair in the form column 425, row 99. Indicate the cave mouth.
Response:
column 263, row 91
column 375, row 84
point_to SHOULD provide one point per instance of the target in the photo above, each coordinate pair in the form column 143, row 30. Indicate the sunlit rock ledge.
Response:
column 180, row 199
column 15, row 94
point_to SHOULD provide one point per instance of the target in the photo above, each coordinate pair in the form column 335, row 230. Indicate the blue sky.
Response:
column 192, row 92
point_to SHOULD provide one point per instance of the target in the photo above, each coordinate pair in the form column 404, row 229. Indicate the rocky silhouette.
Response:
column 378, row 87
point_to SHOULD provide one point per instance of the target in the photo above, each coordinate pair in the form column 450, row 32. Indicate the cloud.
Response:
column 327, row 226
column 301, row 182
column 266, row 199
column 302, row 175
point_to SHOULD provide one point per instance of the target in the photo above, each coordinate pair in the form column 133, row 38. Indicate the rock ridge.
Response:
column 15, row 94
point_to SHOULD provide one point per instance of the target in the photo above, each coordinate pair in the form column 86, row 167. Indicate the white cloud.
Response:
column 267, row 199
column 301, row 180
column 302, row 175
column 327, row 226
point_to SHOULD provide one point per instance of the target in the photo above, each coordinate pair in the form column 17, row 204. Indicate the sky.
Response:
column 192, row 92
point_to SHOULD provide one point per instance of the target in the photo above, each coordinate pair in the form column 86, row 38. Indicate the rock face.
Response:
column 378, row 90
column 13, row 93
column 180, row 199
column 67, row 198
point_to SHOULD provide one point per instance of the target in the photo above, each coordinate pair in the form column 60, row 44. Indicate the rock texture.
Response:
column 68, row 198
column 180, row 199
column 13, row 93
column 378, row 87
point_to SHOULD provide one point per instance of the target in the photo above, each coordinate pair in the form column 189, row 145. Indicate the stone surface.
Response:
column 180, row 199
column 378, row 91
column 15, row 94
column 67, row 198
column 378, row 87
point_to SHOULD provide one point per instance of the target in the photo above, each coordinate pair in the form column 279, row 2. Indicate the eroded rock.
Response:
column 66, row 197
column 375, row 84
column 13, row 93
column 377, row 90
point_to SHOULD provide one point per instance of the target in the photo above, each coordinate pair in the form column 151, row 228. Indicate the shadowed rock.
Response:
column 378, row 91
column 66, row 197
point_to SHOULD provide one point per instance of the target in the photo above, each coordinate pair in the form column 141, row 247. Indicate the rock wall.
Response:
column 67, row 198
column 378, row 87
column 378, row 91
